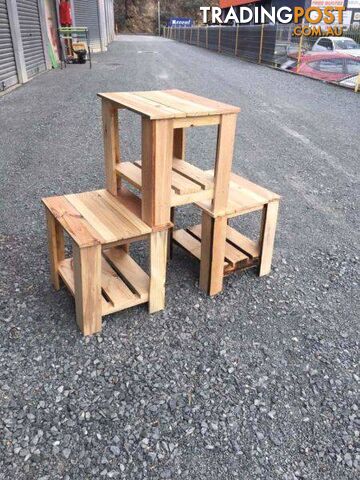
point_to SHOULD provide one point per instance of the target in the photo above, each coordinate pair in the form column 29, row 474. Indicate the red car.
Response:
column 329, row 66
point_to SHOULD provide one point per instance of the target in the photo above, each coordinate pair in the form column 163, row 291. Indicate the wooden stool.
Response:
column 163, row 177
column 222, row 249
column 101, row 275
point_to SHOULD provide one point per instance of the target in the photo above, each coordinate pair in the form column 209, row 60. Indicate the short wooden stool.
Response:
column 219, row 247
column 101, row 274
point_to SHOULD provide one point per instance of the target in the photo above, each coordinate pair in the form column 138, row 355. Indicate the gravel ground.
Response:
column 260, row 382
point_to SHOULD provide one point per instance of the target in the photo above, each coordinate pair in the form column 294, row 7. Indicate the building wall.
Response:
column 98, row 16
column 25, row 46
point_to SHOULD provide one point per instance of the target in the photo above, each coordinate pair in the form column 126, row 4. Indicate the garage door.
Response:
column 8, row 75
column 87, row 15
column 30, row 27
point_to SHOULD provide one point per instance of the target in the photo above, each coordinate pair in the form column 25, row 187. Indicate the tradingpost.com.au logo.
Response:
column 311, row 21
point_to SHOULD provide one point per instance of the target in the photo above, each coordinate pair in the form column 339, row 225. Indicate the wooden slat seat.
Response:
column 244, row 196
column 168, row 104
column 97, row 217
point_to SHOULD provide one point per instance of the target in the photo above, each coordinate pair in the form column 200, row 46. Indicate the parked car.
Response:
column 337, row 44
column 329, row 66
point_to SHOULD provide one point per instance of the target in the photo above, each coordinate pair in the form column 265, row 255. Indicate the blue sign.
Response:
column 180, row 22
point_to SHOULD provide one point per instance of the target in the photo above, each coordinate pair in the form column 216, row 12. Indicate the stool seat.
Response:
column 244, row 197
column 97, row 217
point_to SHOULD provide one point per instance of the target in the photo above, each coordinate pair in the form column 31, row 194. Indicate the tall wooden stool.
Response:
column 162, row 176
column 220, row 248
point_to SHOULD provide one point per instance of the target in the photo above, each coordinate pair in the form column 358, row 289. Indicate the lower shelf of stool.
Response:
column 240, row 251
column 124, row 283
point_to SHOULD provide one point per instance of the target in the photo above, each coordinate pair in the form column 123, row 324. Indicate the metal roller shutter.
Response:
column 30, row 27
column 87, row 15
column 8, row 74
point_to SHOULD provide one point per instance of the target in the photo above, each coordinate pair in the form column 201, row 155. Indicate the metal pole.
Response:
column 159, row 18
column 236, row 39
column 261, row 43
column 299, row 54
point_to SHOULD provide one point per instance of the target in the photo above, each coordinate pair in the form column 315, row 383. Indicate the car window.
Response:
column 325, row 42
column 352, row 66
column 331, row 65
column 345, row 44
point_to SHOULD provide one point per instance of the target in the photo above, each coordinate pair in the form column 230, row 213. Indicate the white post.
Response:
column 159, row 27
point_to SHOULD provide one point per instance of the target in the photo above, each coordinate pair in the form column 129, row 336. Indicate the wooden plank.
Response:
column 178, row 200
column 107, row 215
column 179, row 183
column 219, row 107
column 87, row 282
column 92, row 212
column 128, row 268
column 126, row 215
column 179, row 143
column 152, row 110
column 66, row 271
column 111, row 144
column 244, row 243
column 196, row 121
column 244, row 198
column 182, row 185
column 240, row 201
column 224, row 155
column 56, row 247
column 267, row 237
column 157, row 154
column 131, row 201
column 188, row 242
column 117, row 292
column 72, row 221
column 257, row 189
column 193, row 173
column 188, row 107
column 232, row 254
column 213, row 242
column 158, row 259
column 131, row 173
column 67, row 274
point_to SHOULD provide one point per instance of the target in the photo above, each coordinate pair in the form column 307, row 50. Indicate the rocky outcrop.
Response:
column 141, row 16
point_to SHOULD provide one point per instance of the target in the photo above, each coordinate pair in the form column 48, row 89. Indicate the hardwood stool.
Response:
column 220, row 248
column 163, row 177
column 101, row 274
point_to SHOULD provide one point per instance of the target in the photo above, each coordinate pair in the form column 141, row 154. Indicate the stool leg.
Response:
column 56, row 247
column 267, row 237
column 158, row 258
column 213, row 239
column 170, row 234
column 87, row 279
column 126, row 247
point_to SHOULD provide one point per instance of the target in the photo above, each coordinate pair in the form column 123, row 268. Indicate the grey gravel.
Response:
column 260, row 382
